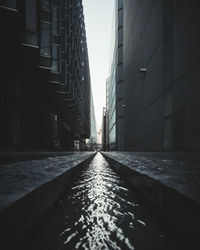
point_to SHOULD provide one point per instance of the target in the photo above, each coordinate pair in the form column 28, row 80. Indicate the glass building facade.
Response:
column 115, row 96
column 45, row 78
column 112, row 107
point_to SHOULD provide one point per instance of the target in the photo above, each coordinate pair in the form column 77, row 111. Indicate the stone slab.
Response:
column 11, row 157
column 171, row 187
column 28, row 189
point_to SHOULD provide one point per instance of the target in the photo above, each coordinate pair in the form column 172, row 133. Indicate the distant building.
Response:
column 103, row 131
column 45, row 78
column 93, row 141
column 158, row 96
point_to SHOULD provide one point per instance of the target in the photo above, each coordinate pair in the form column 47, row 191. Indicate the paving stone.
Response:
column 171, row 187
column 29, row 188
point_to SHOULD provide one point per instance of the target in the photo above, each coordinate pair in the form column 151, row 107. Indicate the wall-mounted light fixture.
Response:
column 143, row 70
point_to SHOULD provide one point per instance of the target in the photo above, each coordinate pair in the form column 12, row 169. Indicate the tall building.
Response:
column 93, row 141
column 45, row 78
column 103, row 130
column 107, row 113
column 160, row 100
column 114, row 84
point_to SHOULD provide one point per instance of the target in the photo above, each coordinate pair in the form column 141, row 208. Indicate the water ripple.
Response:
column 100, row 212
column 108, row 217
column 97, row 189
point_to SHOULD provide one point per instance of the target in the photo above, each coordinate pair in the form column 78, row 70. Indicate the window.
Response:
column 45, row 4
column 120, row 72
column 55, row 23
column 55, row 58
column 120, row 4
column 120, row 18
column 120, row 54
column 120, row 36
column 8, row 3
column 31, row 15
column 45, row 40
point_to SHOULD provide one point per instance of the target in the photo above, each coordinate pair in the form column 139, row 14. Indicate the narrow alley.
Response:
column 100, row 125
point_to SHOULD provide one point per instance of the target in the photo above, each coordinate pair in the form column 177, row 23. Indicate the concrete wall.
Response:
column 162, row 105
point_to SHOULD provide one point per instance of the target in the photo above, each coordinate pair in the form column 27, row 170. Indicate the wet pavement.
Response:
column 21, row 178
column 13, row 157
column 99, row 212
column 182, row 176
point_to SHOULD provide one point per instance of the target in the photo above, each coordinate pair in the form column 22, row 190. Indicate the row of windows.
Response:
column 45, row 4
column 45, row 45
column 60, row 35
column 9, row 3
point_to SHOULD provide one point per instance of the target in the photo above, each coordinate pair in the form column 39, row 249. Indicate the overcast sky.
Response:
column 98, row 21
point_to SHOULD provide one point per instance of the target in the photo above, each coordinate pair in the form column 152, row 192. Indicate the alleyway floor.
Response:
column 99, row 211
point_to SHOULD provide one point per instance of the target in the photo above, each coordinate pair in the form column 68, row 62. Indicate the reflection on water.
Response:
column 100, row 212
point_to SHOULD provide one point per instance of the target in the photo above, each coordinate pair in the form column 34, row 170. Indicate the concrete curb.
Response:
column 19, row 217
column 179, row 211
column 11, row 157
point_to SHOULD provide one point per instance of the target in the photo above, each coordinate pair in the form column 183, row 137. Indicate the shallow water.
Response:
column 99, row 212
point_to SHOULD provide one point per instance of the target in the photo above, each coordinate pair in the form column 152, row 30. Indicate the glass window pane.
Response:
column 45, row 39
column 45, row 4
column 120, row 4
column 55, row 50
column 120, row 36
column 120, row 18
column 55, row 27
column 8, row 3
column 31, row 15
column 54, row 65
column 120, row 54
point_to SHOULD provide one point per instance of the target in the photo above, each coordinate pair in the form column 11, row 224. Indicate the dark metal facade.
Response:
column 155, row 74
column 45, row 78
column 161, row 64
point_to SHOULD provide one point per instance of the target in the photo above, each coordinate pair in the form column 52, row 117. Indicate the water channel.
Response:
column 99, row 212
